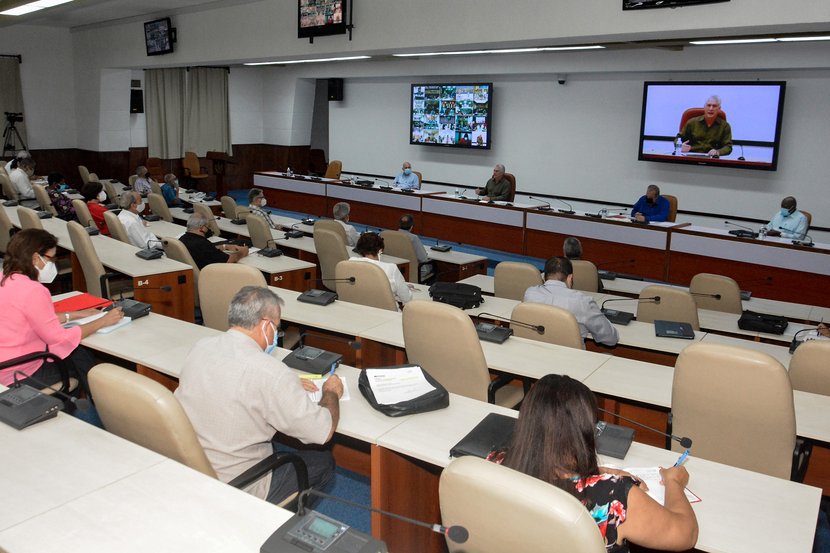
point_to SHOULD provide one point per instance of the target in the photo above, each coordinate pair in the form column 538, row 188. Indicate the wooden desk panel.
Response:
column 178, row 303
column 452, row 272
column 374, row 207
column 293, row 194
column 299, row 280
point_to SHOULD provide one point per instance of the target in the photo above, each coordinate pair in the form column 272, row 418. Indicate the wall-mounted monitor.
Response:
column 321, row 18
column 159, row 37
column 718, row 123
column 456, row 115
column 649, row 4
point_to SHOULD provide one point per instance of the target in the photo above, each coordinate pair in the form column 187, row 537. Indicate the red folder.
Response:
column 81, row 301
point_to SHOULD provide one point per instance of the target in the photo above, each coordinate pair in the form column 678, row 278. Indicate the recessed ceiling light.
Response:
column 801, row 38
column 502, row 51
column 316, row 60
column 732, row 41
column 33, row 7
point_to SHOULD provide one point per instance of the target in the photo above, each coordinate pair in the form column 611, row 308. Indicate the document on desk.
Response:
column 318, row 381
column 106, row 330
column 656, row 489
column 392, row 386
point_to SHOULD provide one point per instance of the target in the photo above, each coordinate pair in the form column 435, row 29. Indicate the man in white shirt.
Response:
column 21, row 178
column 407, row 179
column 10, row 165
column 142, row 183
column 557, row 291
column 341, row 215
column 238, row 397
column 131, row 206
column 788, row 222
column 370, row 246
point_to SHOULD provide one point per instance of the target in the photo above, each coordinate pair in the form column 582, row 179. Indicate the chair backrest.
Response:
column 696, row 112
column 218, row 283
column 331, row 250
column 675, row 305
column 486, row 498
column 737, row 405
column 809, row 371
column 334, row 169
column 398, row 244
column 87, row 257
column 205, row 211
column 177, row 251
column 191, row 163
column 155, row 188
column 83, row 214
column 6, row 229
column 511, row 178
column 28, row 218
column 672, row 207
column 371, row 285
column 586, row 277
column 116, row 227
column 420, row 178
column 109, row 188
column 146, row 413
column 8, row 190
column 809, row 217
column 260, row 231
column 332, row 225
column 511, row 279
column 43, row 200
column 132, row 180
column 228, row 206
column 84, row 172
column 158, row 205
column 93, row 177
column 442, row 339
column 727, row 288
column 560, row 324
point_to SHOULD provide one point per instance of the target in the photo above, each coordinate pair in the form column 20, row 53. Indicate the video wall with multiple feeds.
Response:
column 727, row 123
column 454, row 115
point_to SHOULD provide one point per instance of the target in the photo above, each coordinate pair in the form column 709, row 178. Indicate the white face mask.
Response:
column 102, row 196
column 48, row 273
column 263, row 202
column 140, row 207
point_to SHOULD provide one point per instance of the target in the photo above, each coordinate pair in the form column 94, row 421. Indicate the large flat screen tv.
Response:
column 455, row 115
column 159, row 36
column 648, row 4
column 681, row 123
column 321, row 18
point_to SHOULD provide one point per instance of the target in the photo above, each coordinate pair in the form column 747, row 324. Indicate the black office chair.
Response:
column 68, row 384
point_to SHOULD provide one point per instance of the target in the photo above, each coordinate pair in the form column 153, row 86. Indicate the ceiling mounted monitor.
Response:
column 321, row 18
column 159, row 37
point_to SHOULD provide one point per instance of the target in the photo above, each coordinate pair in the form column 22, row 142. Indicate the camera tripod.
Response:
column 12, row 141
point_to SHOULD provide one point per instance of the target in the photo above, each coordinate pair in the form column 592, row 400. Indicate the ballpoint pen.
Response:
column 682, row 458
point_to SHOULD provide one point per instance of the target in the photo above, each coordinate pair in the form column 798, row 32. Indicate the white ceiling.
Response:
column 81, row 13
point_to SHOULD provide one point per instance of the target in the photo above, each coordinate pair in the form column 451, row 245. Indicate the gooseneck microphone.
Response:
column 685, row 443
column 544, row 207
column 569, row 211
column 91, row 228
column 744, row 232
column 741, row 157
column 536, row 328
column 796, row 342
column 703, row 295
column 652, row 299
column 345, row 279
column 79, row 403
column 458, row 534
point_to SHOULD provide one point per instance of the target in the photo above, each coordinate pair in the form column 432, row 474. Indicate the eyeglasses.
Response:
column 49, row 257
column 280, row 333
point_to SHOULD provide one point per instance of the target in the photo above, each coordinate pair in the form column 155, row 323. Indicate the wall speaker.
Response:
column 335, row 90
column 136, row 101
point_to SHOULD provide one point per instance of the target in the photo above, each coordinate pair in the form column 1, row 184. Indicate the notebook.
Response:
column 672, row 329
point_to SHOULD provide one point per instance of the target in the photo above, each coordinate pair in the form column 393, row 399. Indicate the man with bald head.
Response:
column 708, row 133
column 497, row 188
column 407, row 179
column 788, row 222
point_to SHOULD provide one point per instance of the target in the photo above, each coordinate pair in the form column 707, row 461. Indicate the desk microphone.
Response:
column 537, row 328
column 741, row 157
column 703, row 295
column 799, row 241
column 796, row 342
column 545, row 207
column 270, row 251
column 149, row 252
column 458, row 534
column 79, row 403
column 652, row 299
column 685, row 443
column 91, row 228
column 386, row 182
column 292, row 232
column 345, row 279
column 569, row 211
column 744, row 232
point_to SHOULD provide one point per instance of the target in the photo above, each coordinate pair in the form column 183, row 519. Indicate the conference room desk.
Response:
column 772, row 268
column 375, row 206
column 612, row 243
column 418, row 449
column 197, row 198
column 225, row 225
column 470, row 221
column 293, row 193
column 148, row 276
column 69, row 486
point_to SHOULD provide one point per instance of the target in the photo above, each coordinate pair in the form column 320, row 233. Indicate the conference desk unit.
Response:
column 405, row 457
column 150, row 277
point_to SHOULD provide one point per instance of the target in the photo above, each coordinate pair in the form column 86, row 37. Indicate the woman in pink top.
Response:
column 28, row 321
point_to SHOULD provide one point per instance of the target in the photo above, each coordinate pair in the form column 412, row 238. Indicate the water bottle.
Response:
column 288, row 172
column 456, row 192
column 762, row 233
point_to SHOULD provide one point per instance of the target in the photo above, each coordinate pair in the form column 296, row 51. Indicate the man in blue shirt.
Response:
column 407, row 179
column 170, row 190
column 788, row 222
column 652, row 207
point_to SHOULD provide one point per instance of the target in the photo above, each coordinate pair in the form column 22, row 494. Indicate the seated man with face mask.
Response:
column 652, row 207
column 788, row 222
column 202, row 250
column 256, row 203
column 406, row 179
column 131, row 206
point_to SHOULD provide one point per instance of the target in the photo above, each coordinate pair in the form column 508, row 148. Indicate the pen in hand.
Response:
column 682, row 458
